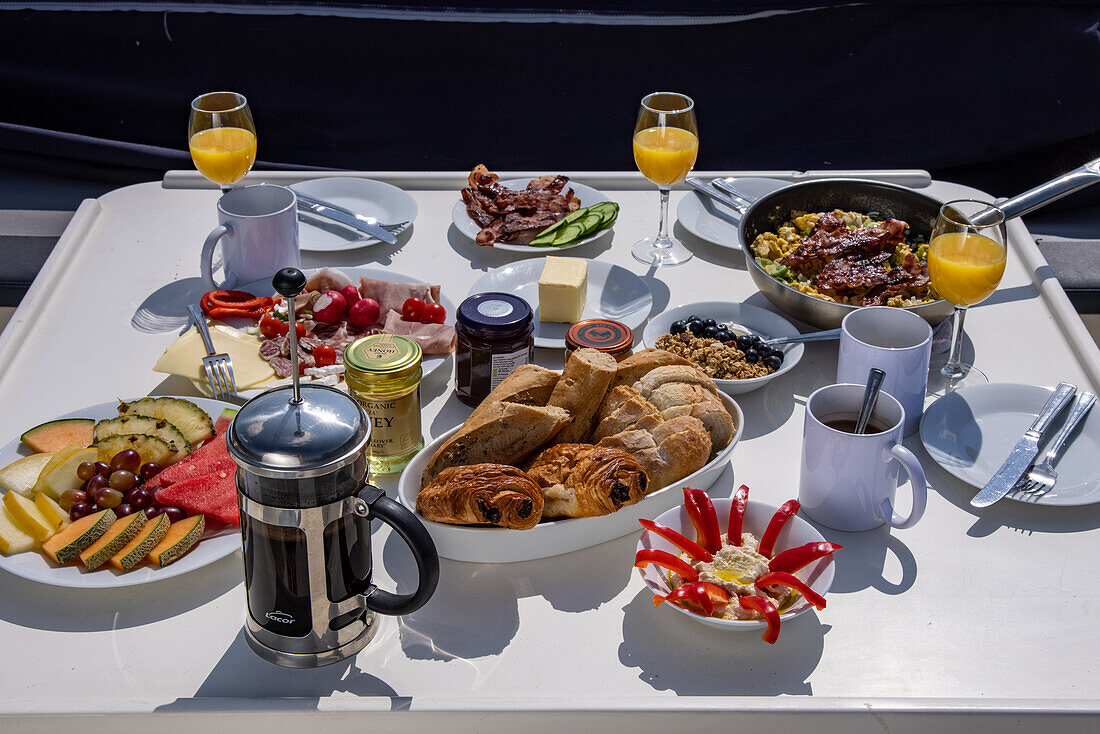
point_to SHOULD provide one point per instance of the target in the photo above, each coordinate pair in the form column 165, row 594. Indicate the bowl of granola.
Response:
column 724, row 340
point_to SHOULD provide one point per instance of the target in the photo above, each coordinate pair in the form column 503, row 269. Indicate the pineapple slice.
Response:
column 189, row 418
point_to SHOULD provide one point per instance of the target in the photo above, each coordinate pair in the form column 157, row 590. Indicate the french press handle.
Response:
column 416, row 536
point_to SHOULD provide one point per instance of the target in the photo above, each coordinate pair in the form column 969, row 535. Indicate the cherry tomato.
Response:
column 413, row 309
column 434, row 313
column 271, row 326
column 324, row 355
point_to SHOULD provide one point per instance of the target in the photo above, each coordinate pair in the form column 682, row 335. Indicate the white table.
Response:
column 970, row 620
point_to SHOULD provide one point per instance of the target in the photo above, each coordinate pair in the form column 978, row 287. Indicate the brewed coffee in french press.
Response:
column 306, row 509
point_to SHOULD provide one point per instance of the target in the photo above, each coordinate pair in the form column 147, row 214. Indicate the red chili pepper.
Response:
column 766, row 609
column 702, row 593
column 737, row 515
column 693, row 549
column 793, row 559
column 767, row 541
column 782, row 578
column 701, row 511
column 646, row 556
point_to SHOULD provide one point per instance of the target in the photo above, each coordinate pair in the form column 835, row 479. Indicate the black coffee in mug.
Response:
column 848, row 425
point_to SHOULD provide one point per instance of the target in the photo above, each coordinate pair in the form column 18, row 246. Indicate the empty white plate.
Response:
column 388, row 204
column 717, row 223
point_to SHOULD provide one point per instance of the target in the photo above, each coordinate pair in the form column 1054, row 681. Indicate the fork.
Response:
column 219, row 368
column 1041, row 477
column 394, row 227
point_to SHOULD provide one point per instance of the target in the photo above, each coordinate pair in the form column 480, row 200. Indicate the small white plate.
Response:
column 388, row 204
column 34, row 566
column 613, row 293
column 971, row 431
column 554, row 537
column 717, row 223
column 819, row 575
column 585, row 194
column 263, row 288
column 764, row 323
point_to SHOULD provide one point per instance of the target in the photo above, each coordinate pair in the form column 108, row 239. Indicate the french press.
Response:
column 306, row 509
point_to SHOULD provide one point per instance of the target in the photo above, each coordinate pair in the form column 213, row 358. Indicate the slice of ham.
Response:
column 432, row 338
column 392, row 296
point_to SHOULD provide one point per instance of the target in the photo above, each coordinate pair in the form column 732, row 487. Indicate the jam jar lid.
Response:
column 602, row 334
column 272, row 436
column 498, row 313
column 391, row 355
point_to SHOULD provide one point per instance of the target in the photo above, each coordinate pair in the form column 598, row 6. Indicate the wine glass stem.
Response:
column 226, row 188
column 662, row 227
column 955, row 369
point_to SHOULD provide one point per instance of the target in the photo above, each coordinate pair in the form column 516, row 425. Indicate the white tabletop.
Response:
column 972, row 617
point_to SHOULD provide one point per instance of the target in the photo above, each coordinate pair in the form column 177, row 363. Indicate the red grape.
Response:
column 98, row 481
column 70, row 497
column 79, row 510
column 126, row 460
column 175, row 514
column 123, row 479
column 151, row 512
column 108, row 497
column 102, row 468
column 85, row 471
column 123, row 510
column 139, row 498
column 149, row 470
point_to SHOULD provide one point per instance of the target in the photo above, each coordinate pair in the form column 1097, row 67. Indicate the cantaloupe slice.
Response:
column 12, row 537
column 147, row 538
column 78, row 535
column 181, row 537
column 121, row 532
column 21, row 475
column 28, row 516
column 51, row 510
column 55, row 435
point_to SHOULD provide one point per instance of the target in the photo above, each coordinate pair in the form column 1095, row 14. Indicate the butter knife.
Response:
column 348, row 218
column 720, row 196
column 1026, row 449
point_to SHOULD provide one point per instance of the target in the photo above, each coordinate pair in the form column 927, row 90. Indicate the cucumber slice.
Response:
column 609, row 210
column 549, row 235
column 568, row 233
column 591, row 222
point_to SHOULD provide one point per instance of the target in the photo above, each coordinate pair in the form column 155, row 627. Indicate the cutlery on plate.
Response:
column 720, row 196
column 813, row 336
column 726, row 186
column 1040, row 478
column 1026, row 449
column 346, row 217
column 219, row 368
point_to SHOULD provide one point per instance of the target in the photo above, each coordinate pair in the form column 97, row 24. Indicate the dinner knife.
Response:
column 344, row 216
column 1026, row 449
column 720, row 196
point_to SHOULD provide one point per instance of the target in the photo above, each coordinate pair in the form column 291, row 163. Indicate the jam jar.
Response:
column 605, row 335
column 383, row 374
column 495, row 334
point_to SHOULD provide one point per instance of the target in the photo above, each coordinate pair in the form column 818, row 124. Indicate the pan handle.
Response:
column 1043, row 194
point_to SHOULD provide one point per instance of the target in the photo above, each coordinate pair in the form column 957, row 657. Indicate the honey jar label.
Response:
column 395, row 424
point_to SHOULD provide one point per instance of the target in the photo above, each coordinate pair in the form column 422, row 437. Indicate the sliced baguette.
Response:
column 580, row 391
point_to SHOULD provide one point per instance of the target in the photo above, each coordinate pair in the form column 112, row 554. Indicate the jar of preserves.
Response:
column 605, row 335
column 383, row 374
column 495, row 334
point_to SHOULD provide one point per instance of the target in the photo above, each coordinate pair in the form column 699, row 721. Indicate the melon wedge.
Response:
column 55, row 435
column 60, row 473
column 181, row 537
column 121, row 532
column 147, row 538
column 51, row 510
column 78, row 535
column 20, row 475
column 12, row 537
column 28, row 516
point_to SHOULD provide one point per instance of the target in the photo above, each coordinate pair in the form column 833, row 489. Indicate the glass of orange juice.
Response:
column 222, row 137
column 666, row 143
column 966, row 260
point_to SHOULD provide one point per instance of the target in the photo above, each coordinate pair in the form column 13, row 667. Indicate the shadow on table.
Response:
column 675, row 653
column 165, row 309
column 38, row 606
column 860, row 565
column 380, row 254
column 242, row 675
column 485, row 258
column 727, row 257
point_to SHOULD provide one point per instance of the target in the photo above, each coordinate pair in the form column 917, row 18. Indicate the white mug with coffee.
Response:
column 896, row 341
column 258, row 232
column 849, row 480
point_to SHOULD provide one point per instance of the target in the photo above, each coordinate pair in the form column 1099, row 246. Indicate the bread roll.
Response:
column 580, row 390
column 673, row 373
column 668, row 452
column 582, row 480
column 527, row 384
column 482, row 494
column 636, row 365
column 621, row 410
column 675, row 399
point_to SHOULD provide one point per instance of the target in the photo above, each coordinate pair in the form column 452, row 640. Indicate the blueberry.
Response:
column 693, row 317
column 751, row 356
column 723, row 336
column 754, row 339
column 778, row 354
column 710, row 322
column 678, row 327
column 744, row 342
column 773, row 362
column 710, row 332
column 723, row 327
column 696, row 327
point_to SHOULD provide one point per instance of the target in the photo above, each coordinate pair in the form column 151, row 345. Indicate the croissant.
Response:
column 581, row 480
column 482, row 494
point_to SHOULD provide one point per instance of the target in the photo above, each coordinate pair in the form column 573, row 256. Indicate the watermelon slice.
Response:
column 214, row 495
column 212, row 456
column 222, row 424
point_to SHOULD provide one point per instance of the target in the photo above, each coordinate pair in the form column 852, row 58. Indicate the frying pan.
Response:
column 888, row 200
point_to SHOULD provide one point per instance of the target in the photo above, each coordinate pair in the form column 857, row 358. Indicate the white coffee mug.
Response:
column 258, row 231
column 896, row 341
column 849, row 481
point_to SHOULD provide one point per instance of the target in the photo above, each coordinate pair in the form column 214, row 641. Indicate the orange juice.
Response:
column 224, row 154
column 965, row 268
column 665, row 154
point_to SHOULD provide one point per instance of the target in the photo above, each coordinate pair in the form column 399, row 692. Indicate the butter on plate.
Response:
column 184, row 356
column 563, row 287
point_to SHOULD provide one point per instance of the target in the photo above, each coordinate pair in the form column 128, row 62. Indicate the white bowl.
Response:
column 819, row 574
column 484, row 544
column 765, row 323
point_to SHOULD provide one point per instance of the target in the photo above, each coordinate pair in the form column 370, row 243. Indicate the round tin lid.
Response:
column 494, row 312
column 274, row 437
column 383, row 354
column 602, row 334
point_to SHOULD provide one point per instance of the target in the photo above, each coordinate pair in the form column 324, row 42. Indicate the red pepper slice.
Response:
column 779, row 519
column 646, row 556
column 782, row 578
column 701, row 511
column 766, row 609
column 702, row 593
column 221, row 312
column 693, row 549
column 793, row 559
column 738, row 503
column 236, row 299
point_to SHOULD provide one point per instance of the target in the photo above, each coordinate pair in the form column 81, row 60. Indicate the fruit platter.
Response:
column 120, row 493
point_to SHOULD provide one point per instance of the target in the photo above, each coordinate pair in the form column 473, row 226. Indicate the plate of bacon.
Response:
column 509, row 214
column 389, row 289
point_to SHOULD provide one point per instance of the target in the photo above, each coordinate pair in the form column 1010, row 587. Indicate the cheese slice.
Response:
column 184, row 356
column 563, row 287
